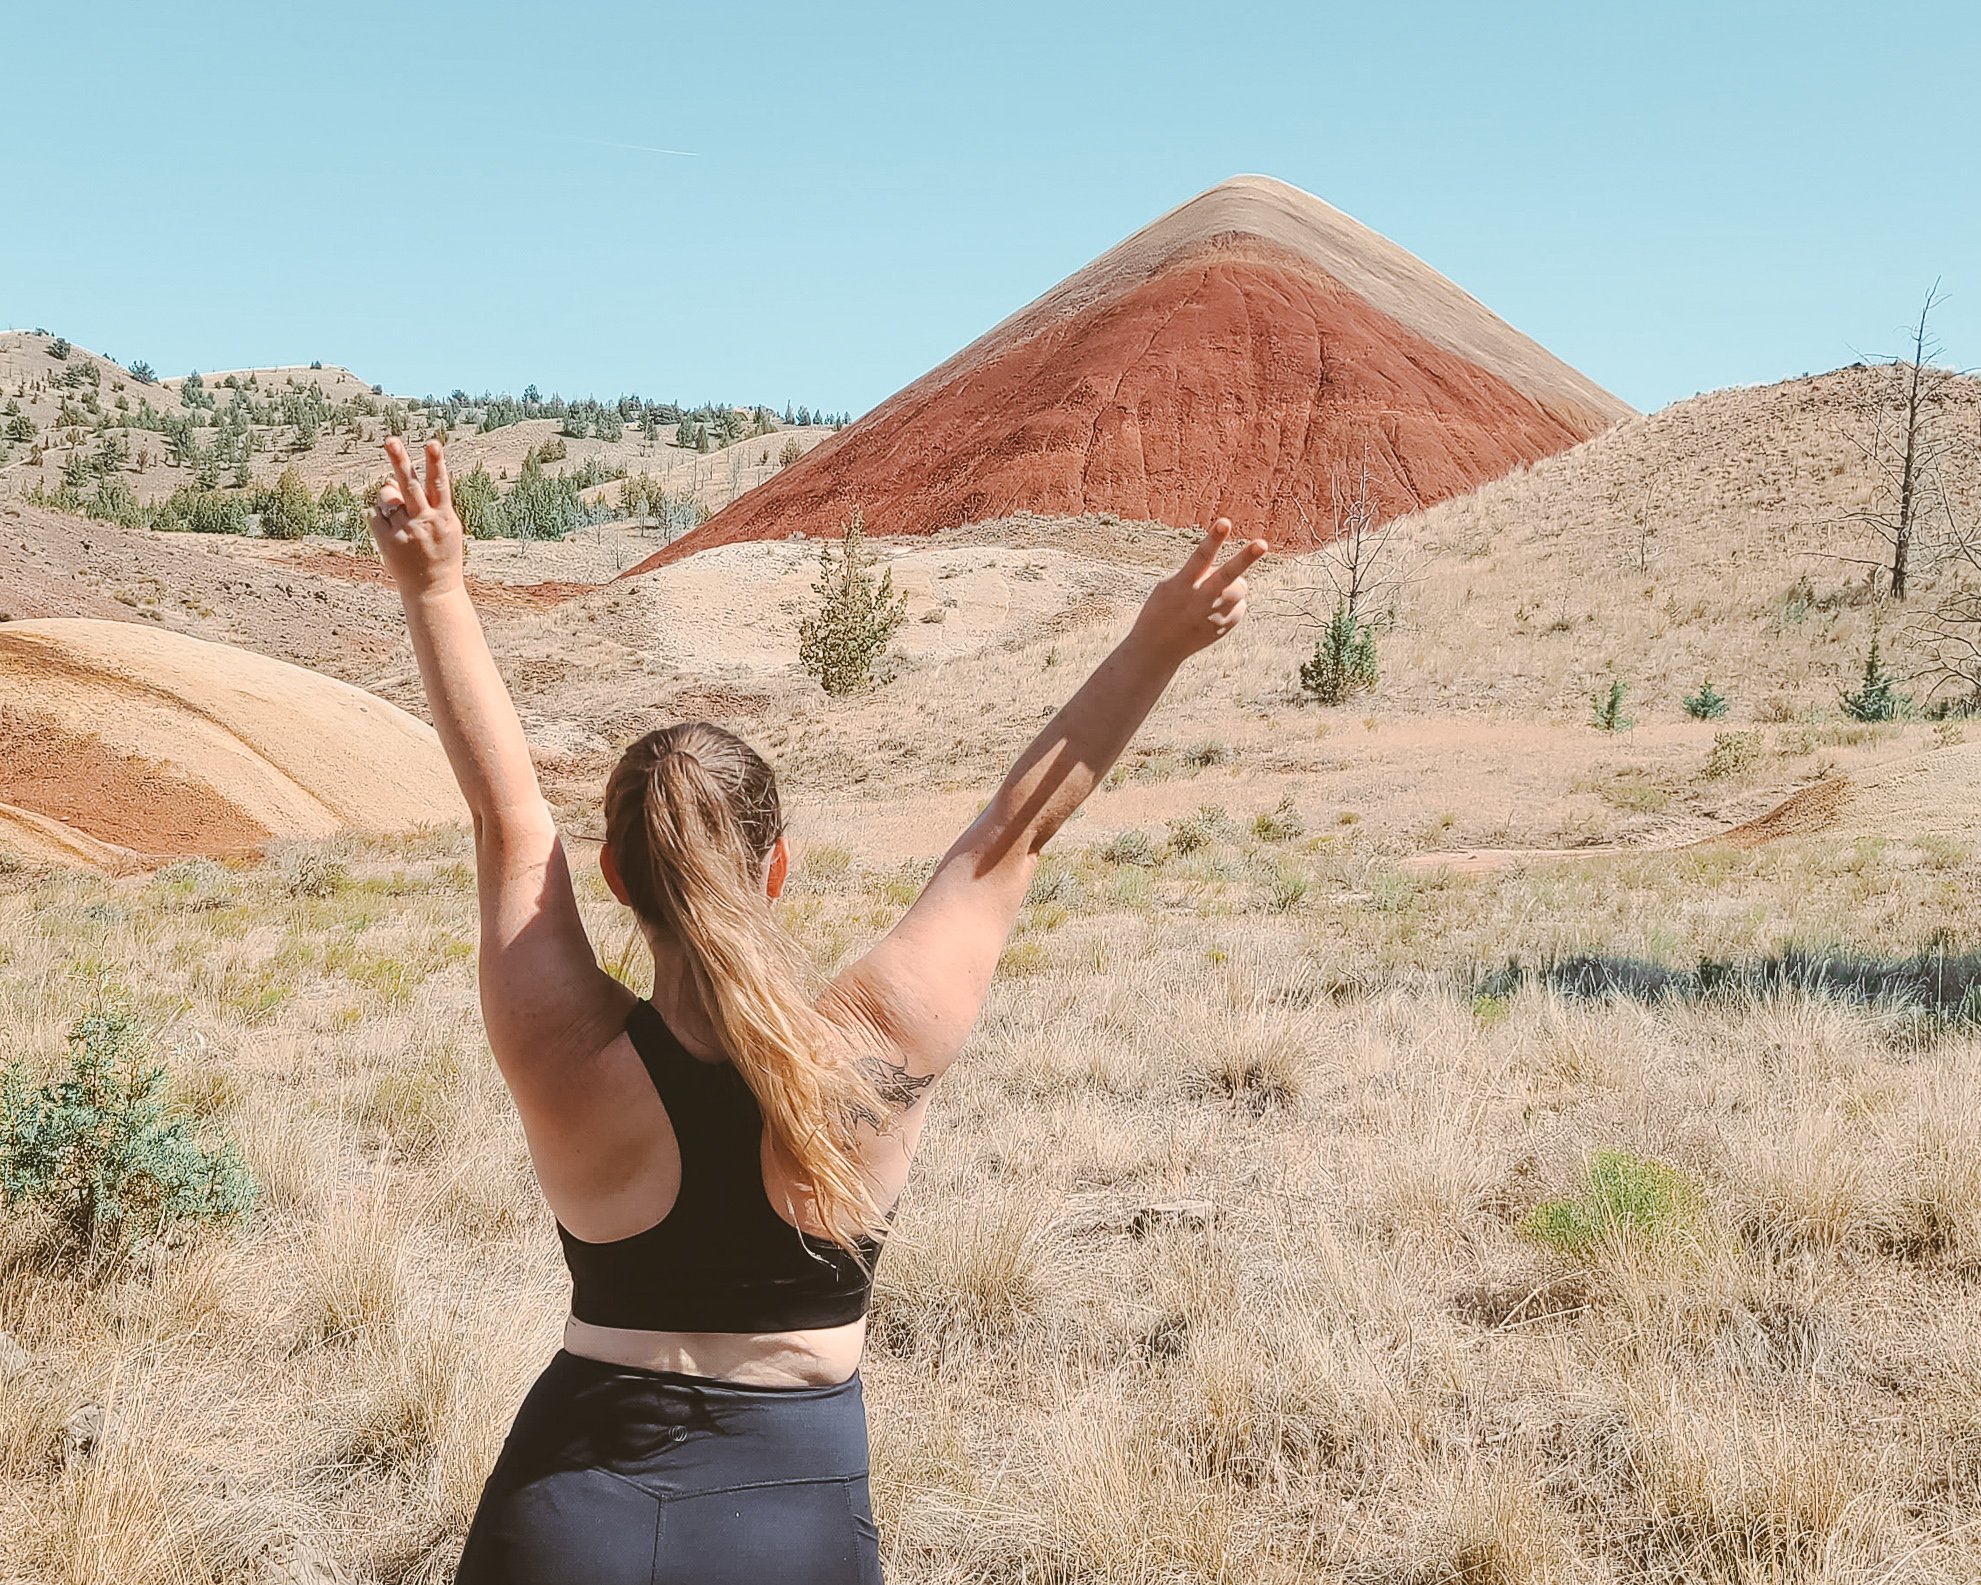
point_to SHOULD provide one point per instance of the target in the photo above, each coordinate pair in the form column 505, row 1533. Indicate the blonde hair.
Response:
column 692, row 813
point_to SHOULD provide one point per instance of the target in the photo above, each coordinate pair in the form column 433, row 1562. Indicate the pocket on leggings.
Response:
column 797, row 1533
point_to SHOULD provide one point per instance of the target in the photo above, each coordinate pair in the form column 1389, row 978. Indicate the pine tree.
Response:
column 1609, row 716
column 290, row 510
column 857, row 616
column 1877, row 698
column 1708, row 704
column 1344, row 661
column 478, row 504
column 77, row 475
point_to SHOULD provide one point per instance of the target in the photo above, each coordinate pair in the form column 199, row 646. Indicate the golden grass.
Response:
column 1357, row 1364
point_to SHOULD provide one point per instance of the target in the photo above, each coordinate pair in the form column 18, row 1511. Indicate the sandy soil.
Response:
column 155, row 744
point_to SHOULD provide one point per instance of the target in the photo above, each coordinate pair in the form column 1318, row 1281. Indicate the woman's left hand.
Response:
column 415, row 526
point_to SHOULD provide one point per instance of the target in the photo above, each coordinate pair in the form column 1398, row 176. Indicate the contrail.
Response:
column 638, row 148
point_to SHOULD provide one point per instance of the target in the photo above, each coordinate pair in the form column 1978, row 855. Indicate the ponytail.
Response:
column 692, row 814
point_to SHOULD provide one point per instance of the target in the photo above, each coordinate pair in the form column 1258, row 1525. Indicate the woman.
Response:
column 721, row 1159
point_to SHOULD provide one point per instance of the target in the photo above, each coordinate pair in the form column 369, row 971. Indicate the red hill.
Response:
column 1242, row 353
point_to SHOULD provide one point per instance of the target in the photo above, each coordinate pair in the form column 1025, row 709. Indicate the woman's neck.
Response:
column 675, row 999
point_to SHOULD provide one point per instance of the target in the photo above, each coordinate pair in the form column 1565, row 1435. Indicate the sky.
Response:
column 1671, row 197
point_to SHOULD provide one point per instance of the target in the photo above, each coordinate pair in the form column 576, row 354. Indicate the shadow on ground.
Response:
column 1940, row 986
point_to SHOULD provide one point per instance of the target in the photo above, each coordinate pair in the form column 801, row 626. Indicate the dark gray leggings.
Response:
column 635, row 1477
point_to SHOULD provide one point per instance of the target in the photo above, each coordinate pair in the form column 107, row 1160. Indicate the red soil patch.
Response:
column 1219, row 362
column 139, row 804
column 1813, row 810
column 488, row 593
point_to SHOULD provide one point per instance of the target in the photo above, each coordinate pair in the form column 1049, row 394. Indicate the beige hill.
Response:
column 124, row 743
column 65, row 398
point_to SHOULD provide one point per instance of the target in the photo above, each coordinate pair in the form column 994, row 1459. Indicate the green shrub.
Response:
column 1212, row 751
column 477, row 503
column 1628, row 1199
column 842, row 641
column 308, row 871
column 1130, row 847
column 1609, row 716
column 825, row 861
column 543, row 505
column 203, row 512
column 1282, row 823
column 1877, row 698
column 59, row 349
column 1708, row 704
column 1194, row 831
column 1285, row 889
column 196, row 885
column 1052, row 882
column 1799, row 601
column 289, row 510
column 101, row 1150
column 339, row 511
column 1344, row 661
column 1732, row 753
column 553, row 450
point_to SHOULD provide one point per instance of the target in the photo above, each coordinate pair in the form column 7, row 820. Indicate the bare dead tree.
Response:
column 1904, row 448
column 1360, row 561
column 1948, row 638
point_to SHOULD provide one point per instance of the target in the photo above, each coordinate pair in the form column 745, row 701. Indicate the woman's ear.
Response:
column 780, row 869
column 608, row 866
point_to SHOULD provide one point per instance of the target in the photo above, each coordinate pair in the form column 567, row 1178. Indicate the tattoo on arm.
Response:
column 897, row 1087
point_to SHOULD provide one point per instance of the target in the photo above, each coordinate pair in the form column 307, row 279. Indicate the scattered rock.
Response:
column 82, row 1436
column 1193, row 1214
column 292, row 1562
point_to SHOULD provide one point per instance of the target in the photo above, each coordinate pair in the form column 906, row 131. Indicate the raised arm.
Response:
column 924, row 984
column 543, row 995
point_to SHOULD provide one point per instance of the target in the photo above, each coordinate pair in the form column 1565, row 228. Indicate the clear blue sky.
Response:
column 1670, row 196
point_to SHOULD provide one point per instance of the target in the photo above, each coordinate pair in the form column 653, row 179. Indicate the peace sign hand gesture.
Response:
column 417, row 532
column 1201, row 601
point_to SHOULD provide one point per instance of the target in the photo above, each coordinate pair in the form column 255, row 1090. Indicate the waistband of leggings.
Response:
column 583, row 1365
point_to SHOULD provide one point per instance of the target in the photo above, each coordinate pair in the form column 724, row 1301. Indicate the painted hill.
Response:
column 121, row 743
column 1241, row 353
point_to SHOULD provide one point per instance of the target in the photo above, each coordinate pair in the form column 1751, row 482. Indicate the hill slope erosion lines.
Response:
column 1242, row 353
column 1936, row 795
column 121, row 742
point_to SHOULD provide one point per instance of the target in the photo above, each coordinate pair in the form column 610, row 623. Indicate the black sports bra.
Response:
column 722, row 1260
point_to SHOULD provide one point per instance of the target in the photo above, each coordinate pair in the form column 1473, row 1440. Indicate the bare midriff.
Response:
column 817, row 1358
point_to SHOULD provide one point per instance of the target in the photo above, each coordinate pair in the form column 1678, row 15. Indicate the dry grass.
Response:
column 1359, row 1364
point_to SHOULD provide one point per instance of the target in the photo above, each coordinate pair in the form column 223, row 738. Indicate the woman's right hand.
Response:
column 415, row 526
column 1201, row 601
